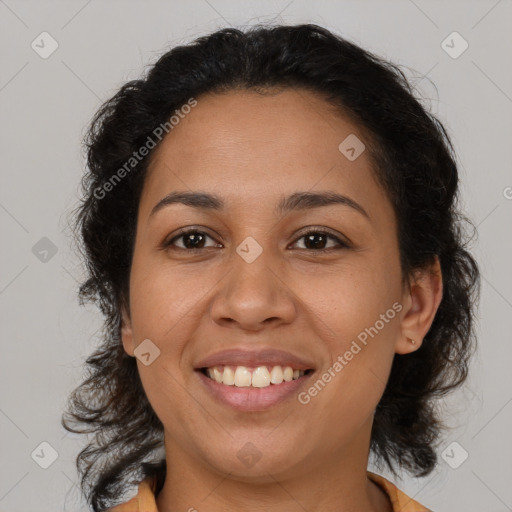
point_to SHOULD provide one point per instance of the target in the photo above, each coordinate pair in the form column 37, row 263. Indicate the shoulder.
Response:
column 143, row 501
column 399, row 500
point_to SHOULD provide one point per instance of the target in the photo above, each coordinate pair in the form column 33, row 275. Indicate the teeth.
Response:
column 259, row 377
column 242, row 377
column 228, row 376
column 288, row 374
column 217, row 375
column 276, row 375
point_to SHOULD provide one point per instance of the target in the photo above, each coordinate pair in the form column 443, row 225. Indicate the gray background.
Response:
column 46, row 105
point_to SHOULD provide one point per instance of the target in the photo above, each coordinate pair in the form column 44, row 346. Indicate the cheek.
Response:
column 167, row 393
column 353, row 394
column 164, row 298
column 349, row 301
column 162, row 303
column 357, row 312
column 347, row 391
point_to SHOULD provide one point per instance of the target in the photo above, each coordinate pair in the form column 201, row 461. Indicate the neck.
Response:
column 338, row 484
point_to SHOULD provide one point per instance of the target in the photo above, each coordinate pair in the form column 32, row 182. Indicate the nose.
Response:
column 254, row 296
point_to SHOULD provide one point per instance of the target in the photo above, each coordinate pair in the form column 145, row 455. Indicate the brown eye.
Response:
column 314, row 240
column 190, row 240
column 318, row 240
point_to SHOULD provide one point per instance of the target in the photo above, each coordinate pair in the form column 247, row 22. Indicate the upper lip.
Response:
column 253, row 358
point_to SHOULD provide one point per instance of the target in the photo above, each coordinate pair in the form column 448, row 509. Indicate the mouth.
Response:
column 253, row 380
column 262, row 376
column 247, row 389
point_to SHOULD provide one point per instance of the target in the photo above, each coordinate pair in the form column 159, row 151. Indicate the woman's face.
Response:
column 261, row 285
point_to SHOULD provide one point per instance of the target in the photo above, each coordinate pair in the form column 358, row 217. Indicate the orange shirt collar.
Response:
column 144, row 500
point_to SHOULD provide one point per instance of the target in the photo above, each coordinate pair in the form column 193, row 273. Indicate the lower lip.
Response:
column 252, row 399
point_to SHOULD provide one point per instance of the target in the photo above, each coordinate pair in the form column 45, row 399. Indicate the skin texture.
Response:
column 251, row 150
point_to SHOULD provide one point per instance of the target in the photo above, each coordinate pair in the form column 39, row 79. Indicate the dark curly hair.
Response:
column 413, row 160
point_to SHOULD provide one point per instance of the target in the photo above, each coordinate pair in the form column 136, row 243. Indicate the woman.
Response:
column 271, row 231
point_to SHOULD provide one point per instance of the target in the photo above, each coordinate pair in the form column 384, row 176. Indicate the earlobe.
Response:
column 423, row 298
column 127, row 333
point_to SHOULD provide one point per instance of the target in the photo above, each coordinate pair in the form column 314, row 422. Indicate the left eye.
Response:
column 194, row 240
column 318, row 239
column 313, row 241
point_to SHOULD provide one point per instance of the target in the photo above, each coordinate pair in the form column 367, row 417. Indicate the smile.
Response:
column 258, row 377
column 247, row 396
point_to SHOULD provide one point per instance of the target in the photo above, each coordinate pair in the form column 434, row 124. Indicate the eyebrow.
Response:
column 296, row 201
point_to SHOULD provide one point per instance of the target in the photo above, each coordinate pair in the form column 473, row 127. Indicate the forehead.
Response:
column 243, row 145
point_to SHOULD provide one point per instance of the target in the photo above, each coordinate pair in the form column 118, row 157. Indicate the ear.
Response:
column 126, row 332
column 421, row 299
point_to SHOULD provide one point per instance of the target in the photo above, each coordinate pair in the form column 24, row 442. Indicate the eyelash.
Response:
column 342, row 245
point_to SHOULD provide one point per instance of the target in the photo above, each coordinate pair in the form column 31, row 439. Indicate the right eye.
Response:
column 192, row 240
